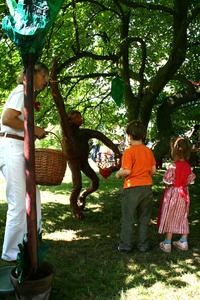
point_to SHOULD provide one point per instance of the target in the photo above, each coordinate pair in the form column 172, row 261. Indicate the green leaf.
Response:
column 117, row 90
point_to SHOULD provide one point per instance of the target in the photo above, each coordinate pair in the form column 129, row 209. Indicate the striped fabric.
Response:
column 175, row 208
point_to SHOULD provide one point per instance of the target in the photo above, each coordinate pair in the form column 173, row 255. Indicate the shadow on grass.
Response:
column 87, row 264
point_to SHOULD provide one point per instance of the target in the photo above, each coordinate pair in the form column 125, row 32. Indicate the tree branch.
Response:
column 148, row 6
column 81, row 54
column 93, row 75
column 103, row 7
column 194, row 13
column 140, row 75
column 176, row 57
column 77, row 49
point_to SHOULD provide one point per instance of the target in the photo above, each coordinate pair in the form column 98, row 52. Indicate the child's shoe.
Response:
column 123, row 249
column 165, row 247
column 181, row 245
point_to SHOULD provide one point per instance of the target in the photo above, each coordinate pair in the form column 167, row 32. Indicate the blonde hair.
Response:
column 37, row 68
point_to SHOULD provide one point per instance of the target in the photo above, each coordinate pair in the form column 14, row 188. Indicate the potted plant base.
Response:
column 37, row 287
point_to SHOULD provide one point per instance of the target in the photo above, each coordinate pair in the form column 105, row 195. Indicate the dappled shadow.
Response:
column 92, row 254
column 3, row 209
column 85, row 257
column 94, row 269
column 59, row 189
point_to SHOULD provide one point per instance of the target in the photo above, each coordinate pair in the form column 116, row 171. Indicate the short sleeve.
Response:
column 16, row 99
column 191, row 178
column 169, row 176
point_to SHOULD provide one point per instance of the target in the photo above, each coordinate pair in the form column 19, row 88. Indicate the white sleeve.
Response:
column 16, row 99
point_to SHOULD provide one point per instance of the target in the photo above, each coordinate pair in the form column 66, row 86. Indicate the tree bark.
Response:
column 164, row 122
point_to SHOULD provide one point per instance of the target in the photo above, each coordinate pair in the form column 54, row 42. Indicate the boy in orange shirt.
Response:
column 138, row 166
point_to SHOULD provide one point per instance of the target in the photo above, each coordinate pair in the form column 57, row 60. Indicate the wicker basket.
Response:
column 50, row 166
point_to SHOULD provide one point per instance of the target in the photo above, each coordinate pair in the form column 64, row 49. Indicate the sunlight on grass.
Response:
column 196, row 254
column 95, row 207
column 65, row 235
column 195, row 222
column 190, row 279
column 161, row 291
column 129, row 279
column 85, row 257
column 50, row 196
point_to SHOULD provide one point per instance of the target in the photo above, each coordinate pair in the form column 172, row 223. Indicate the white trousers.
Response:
column 12, row 165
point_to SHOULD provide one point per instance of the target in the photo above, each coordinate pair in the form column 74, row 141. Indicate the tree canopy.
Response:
column 153, row 46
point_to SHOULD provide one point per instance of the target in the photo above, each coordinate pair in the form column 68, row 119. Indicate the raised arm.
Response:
column 101, row 137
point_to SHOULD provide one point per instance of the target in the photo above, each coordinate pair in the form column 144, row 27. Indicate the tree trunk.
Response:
column 164, row 123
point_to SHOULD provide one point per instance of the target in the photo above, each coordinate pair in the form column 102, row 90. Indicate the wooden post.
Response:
column 29, row 153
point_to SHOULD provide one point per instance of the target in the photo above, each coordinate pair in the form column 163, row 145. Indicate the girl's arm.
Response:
column 169, row 176
column 191, row 178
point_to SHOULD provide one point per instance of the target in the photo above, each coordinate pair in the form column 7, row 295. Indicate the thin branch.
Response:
column 103, row 7
column 77, row 50
column 148, row 6
column 93, row 75
column 195, row 12
column 82, row 54
column 190, row 87
column 83, row 77
column 140, row 75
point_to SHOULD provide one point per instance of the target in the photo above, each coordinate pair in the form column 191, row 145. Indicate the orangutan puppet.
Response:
column 77, row 153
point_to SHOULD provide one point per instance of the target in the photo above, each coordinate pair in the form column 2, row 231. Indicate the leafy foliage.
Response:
column 89, row 40
column 84, row 255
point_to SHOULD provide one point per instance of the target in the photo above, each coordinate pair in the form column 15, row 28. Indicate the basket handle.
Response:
column 59, row 140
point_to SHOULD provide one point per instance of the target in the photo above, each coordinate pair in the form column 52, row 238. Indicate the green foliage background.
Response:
column 95, row 27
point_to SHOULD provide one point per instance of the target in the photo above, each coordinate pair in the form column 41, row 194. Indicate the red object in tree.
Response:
column 195, row 83
column 37, row 105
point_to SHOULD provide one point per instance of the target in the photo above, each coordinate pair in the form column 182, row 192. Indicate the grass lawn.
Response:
column 86, row 263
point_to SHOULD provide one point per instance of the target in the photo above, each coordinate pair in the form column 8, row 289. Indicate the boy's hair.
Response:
column 180, row 148
column 137, row 130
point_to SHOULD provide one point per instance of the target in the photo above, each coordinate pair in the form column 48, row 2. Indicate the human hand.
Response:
column 39, row 132
column 118, row 175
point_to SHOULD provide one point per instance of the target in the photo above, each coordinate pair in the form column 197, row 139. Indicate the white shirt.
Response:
column 15, row 101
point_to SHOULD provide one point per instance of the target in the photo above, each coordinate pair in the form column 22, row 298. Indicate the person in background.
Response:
column 138, row 166
column 77, row 153
column 12, row 162
column 174, row 207
column 95, row 150
column 195, row 135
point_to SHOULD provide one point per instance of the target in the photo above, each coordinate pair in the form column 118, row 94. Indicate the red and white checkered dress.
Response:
column 174, row 208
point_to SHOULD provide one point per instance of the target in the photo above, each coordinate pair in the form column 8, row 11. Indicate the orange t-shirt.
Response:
column 140, row 160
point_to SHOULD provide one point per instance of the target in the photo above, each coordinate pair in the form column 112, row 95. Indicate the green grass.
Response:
column 83, row 253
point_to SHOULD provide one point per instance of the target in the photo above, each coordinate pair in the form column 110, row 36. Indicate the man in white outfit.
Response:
column 12, row 163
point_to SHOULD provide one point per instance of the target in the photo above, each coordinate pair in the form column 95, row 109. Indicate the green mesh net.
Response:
column 29, row 22
column 117, row 90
